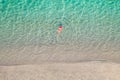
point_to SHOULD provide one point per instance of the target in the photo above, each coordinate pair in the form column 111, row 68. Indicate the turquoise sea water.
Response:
column 87, row 22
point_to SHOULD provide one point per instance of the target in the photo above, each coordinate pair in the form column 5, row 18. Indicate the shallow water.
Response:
column 84, row 21
column 91, row 25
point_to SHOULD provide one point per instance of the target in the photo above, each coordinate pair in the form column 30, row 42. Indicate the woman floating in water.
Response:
column 59, row 29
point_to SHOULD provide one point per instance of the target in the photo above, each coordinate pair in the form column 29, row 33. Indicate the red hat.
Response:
column 60, row 26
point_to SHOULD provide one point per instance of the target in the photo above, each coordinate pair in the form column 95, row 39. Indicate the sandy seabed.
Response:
column 93, row 70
